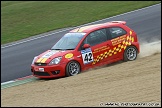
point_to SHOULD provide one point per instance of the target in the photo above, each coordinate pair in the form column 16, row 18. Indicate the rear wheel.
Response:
column 72, row 68
column 130, row 53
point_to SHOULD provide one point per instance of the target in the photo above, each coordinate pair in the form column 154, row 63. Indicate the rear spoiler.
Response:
column 123, row 22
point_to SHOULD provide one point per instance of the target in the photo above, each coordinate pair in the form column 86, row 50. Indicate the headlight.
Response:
column 34, row 59
column 55, row 61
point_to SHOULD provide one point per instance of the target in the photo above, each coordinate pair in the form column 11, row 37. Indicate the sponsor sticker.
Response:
column 69, row 55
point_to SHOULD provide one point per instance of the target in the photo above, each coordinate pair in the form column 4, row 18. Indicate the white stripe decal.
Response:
column 49, row 54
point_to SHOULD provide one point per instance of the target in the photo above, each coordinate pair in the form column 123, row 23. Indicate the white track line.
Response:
column 7, row 82
column 76, row 27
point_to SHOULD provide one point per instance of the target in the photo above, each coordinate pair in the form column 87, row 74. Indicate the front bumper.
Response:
column 52, row 71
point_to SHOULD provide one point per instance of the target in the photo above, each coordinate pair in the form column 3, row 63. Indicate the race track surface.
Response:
column 137, row 81
column 16, row 60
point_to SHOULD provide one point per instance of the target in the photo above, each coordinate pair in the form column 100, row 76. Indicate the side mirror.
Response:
column 86, row 46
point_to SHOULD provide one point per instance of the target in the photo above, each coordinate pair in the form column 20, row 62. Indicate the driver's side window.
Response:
column 94, row 38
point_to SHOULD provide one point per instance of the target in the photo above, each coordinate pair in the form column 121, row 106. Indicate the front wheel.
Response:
column 72, row 68
column 130, row 53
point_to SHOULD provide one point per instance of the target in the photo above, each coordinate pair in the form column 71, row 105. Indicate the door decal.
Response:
column 87, row 55
column 116, row 49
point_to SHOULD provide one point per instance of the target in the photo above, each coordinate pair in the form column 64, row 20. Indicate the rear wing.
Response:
column 123, row 22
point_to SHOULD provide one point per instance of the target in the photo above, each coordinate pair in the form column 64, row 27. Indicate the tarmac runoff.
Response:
column 18, row 81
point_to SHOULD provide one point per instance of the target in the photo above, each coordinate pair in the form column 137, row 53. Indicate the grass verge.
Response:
column 22, row 19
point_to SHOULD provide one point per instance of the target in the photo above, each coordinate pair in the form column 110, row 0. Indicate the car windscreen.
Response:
column 68, row 42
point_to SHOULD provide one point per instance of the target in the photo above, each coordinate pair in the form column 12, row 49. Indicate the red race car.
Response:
column 87, row 47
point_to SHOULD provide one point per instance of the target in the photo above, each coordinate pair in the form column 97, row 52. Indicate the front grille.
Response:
column 40, row 64
column 41, row 73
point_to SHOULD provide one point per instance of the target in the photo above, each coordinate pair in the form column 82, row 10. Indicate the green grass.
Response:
column 22, row 19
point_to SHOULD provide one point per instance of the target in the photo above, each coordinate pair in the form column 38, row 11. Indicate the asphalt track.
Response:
column 16, row 58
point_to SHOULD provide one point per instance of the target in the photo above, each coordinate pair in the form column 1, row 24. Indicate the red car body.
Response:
column 100, row 44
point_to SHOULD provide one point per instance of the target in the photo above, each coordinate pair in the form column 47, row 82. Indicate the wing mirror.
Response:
column 86, row 46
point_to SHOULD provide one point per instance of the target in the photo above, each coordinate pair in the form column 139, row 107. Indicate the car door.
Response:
column 94, row 55
column 116, row 41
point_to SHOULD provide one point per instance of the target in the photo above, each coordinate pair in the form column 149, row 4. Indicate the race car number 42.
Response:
column 87, row 56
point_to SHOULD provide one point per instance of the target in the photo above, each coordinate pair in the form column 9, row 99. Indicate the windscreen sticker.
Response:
column 87, row 56
column 117, row 31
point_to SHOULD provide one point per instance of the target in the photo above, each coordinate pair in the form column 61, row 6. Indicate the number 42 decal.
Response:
column 87, row 56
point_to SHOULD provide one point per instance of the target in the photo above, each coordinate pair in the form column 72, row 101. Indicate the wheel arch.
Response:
column 136, row 45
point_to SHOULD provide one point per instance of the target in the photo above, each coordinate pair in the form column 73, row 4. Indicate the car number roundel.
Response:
column 87, row 55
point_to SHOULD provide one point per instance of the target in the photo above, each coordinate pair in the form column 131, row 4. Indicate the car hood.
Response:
column 49, row 55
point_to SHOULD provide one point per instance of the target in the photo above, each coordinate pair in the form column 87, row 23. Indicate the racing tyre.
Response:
column 72, row 68
column 130, row 53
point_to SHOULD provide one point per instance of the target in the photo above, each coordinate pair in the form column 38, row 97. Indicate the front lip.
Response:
column 48, row 70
